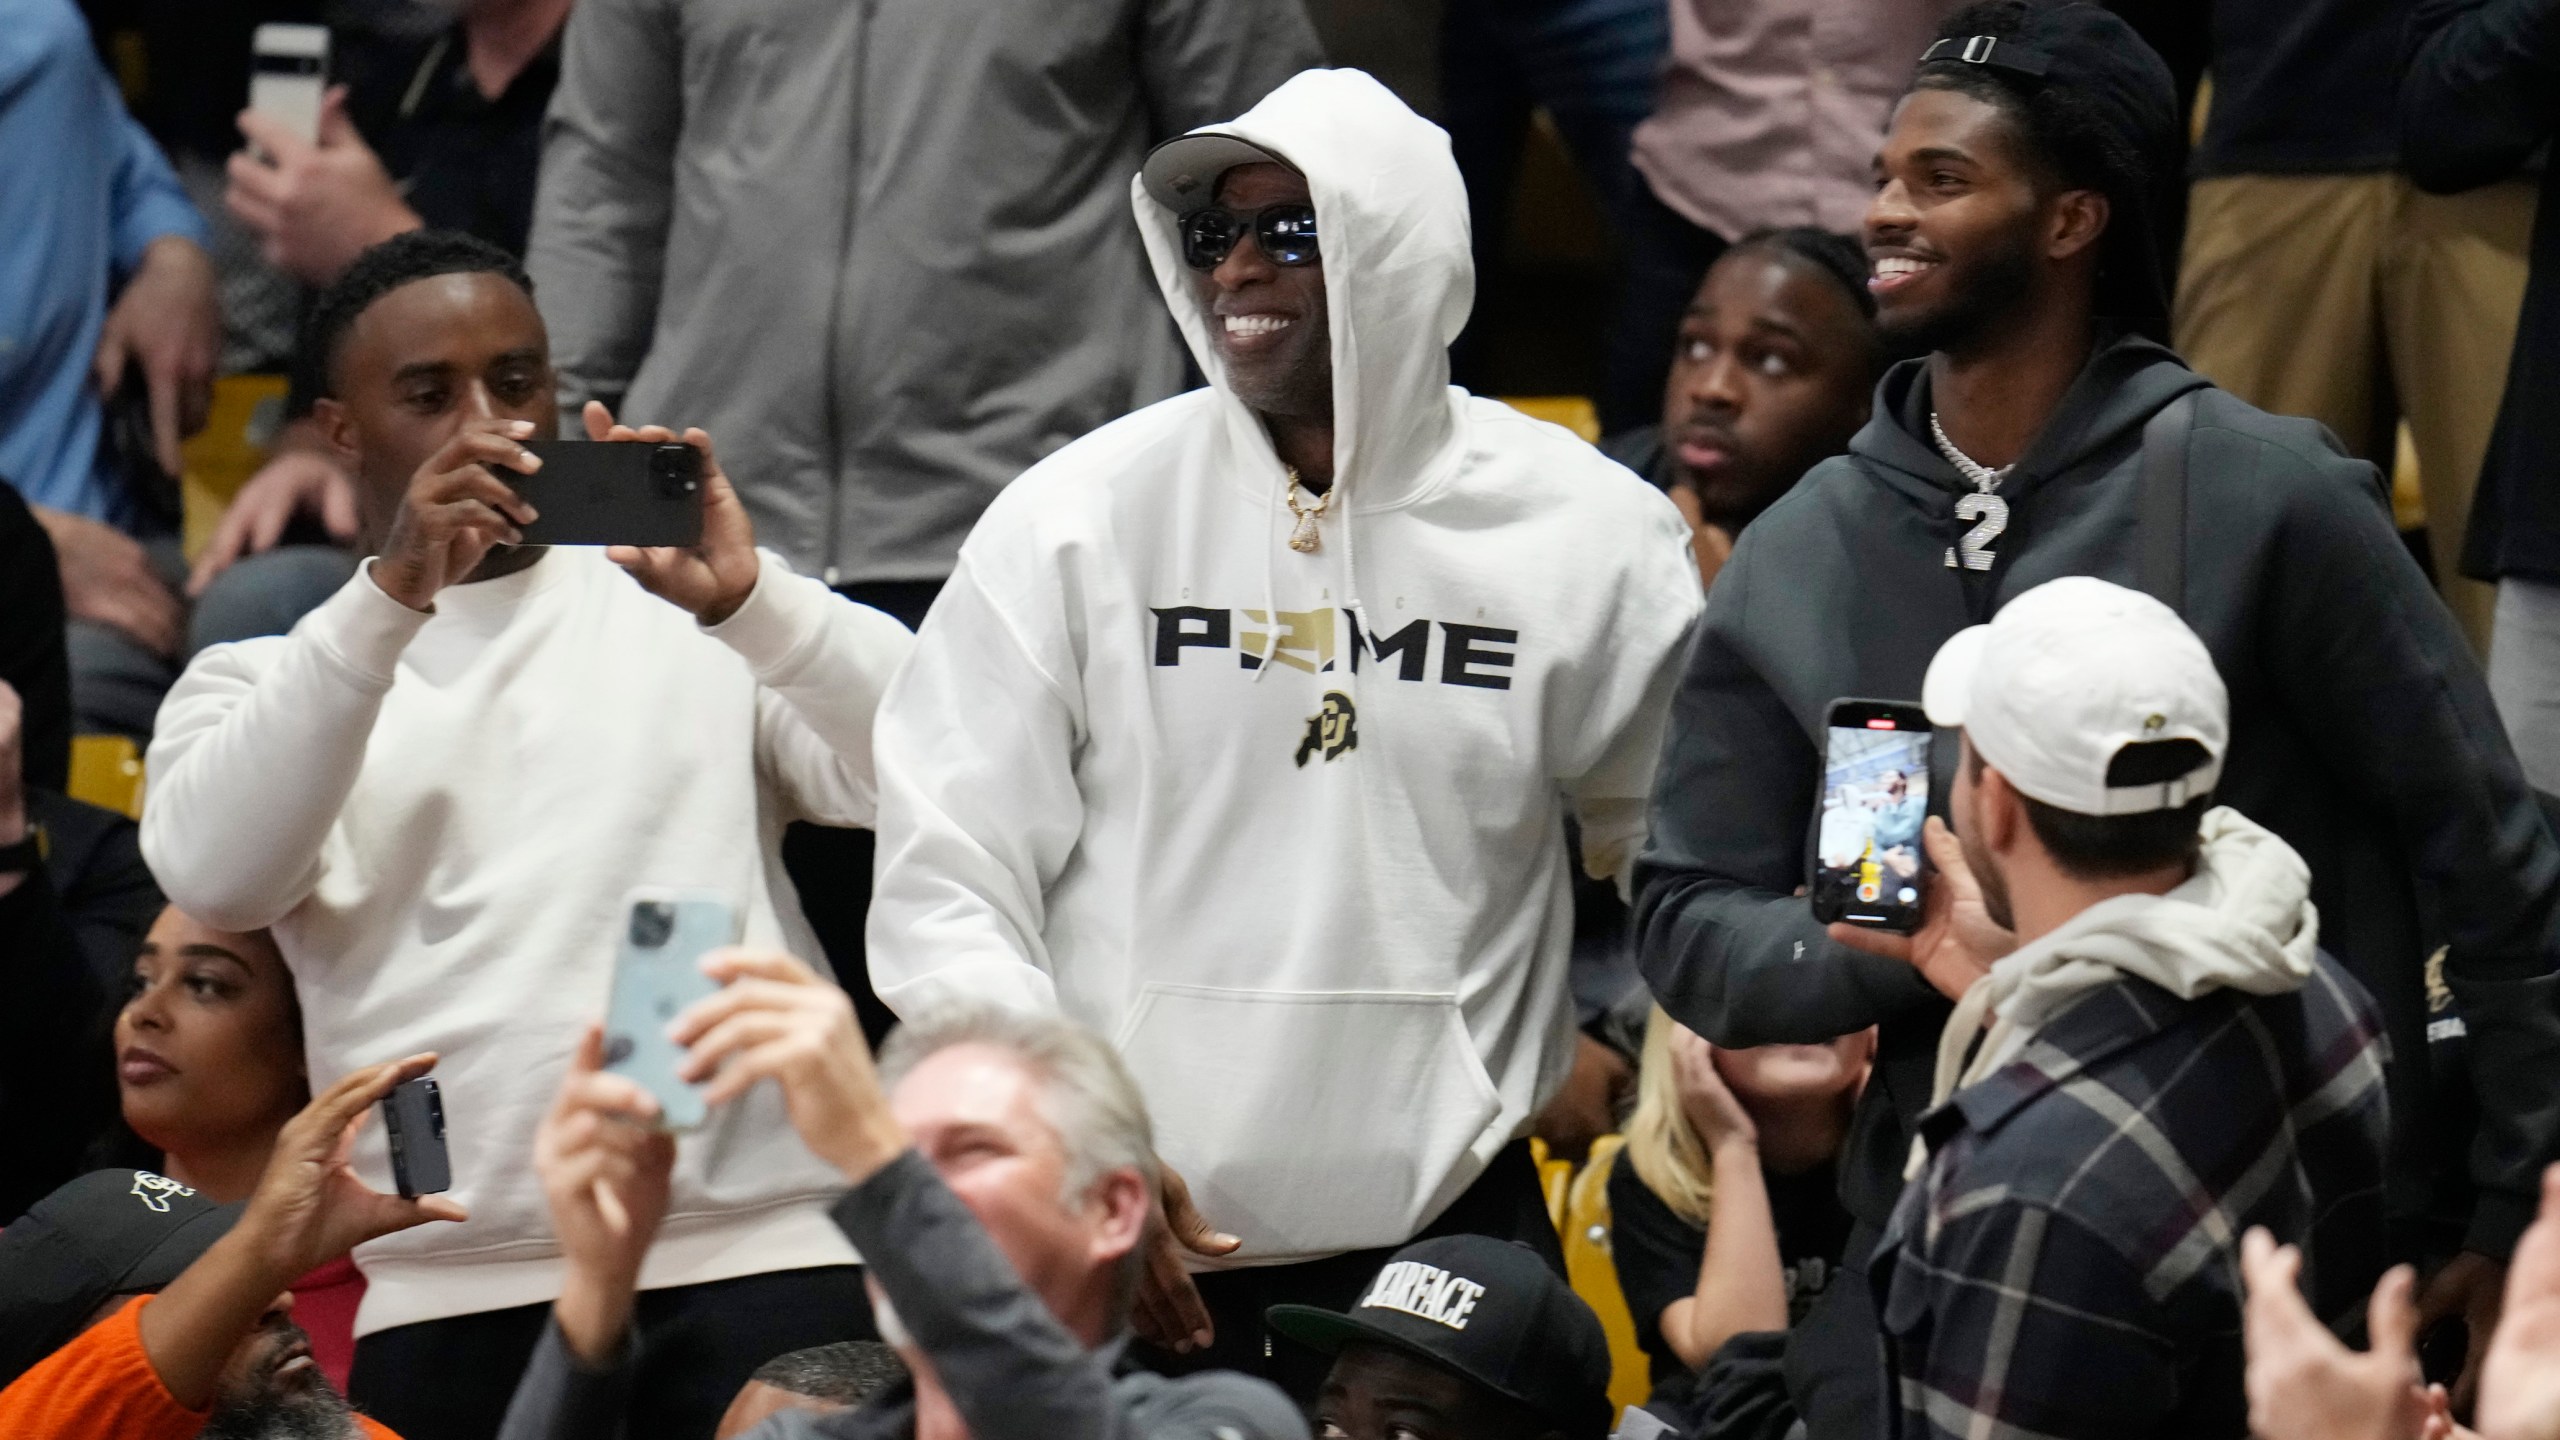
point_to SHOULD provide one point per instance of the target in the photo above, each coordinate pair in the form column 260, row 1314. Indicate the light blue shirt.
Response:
column 83, row 192
column 1898, row 822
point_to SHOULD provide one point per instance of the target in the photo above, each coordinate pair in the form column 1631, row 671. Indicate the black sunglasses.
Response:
column 1286, row 234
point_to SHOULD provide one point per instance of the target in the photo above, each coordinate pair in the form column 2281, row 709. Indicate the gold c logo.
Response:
column 1331, row 730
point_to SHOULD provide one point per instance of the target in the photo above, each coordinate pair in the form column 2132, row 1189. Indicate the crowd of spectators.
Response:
column 1333, row 829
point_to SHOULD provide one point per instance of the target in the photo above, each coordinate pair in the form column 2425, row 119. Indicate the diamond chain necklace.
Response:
column 1987, row 512
column 1984, row 478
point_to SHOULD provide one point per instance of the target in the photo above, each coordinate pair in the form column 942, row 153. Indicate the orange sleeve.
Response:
column 374, row 1429
column 99, row 1387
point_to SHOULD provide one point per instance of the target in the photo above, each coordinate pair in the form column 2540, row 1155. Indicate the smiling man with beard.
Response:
column 273, row 1390
column 2045, row 436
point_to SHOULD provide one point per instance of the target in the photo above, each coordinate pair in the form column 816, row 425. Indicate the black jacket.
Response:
column 68, row 934
column 2361, row 732
column 2475, row 104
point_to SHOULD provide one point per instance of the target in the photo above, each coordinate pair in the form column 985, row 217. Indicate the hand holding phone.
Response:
column 456, row 511
column 658, row 976
column 716, row 574
column 1957, row 941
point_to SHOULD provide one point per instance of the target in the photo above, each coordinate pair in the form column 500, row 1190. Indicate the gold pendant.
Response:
column 1304, row 539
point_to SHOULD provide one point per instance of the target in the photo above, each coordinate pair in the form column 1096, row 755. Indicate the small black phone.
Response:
column 413, row 1118
column 612, row 492
column 1869, row 866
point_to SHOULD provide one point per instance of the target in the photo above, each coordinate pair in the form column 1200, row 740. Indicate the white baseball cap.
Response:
column 2065, row 678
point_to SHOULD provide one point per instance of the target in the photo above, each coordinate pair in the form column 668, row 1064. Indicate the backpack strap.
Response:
column 2165, row 437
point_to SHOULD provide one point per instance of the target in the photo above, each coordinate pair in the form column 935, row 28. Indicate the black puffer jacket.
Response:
column 2361, row 732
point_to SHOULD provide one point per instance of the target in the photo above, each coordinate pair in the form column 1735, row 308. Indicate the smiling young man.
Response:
column 1247, row 729
column 459, row 765
column 2009, row 239
column 1778, row 354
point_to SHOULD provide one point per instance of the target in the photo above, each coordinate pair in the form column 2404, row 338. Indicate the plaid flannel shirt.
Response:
column 2067, row 1264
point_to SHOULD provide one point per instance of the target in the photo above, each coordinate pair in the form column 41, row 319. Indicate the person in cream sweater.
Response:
column 437, row 791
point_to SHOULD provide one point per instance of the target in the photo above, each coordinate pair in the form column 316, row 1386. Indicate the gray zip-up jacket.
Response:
column 879, row 249
column 2361, row 732
column 1012, row 1369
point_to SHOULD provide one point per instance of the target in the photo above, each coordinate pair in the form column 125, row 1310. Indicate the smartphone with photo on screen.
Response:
column 1869, row 867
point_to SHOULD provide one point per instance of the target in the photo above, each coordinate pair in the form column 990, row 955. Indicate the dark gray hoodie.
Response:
column 2361, row 731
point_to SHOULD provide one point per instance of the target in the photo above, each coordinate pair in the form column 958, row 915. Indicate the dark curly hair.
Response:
column 400, row 260
column 2070, row 142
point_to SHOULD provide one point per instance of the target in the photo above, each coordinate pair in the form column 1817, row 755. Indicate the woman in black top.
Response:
column 1725, row 1219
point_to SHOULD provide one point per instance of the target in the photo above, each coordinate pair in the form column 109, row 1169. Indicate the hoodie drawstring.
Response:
column 1270, row 584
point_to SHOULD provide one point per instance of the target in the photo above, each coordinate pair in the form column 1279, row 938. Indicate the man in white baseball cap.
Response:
column 2159, row 1058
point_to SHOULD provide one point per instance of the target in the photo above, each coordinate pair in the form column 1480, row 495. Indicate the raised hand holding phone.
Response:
column 606, row 1170
column 456, row 511
column 1957, row 940
column 713, row 577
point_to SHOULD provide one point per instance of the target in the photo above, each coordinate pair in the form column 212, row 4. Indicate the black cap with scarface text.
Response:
column 1489, row 1310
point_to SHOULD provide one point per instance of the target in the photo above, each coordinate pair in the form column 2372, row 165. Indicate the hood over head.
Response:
column 1392, row 227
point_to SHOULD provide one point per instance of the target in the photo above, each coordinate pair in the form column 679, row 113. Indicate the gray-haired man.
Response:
column 995, row 1157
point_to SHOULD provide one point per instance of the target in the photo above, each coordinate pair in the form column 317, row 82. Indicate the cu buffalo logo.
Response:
column 155, row 1190
column 1331, row 730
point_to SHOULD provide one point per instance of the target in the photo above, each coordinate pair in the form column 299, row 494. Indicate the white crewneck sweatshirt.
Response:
column 1307, row 870
column 439, row 816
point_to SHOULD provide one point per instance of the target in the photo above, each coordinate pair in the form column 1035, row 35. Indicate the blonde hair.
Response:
column 1665, row 1149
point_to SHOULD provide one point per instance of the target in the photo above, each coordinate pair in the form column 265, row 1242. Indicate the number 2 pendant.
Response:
column 1990, row 515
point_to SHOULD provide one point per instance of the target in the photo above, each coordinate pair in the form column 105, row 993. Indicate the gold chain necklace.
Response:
column 1304, row 539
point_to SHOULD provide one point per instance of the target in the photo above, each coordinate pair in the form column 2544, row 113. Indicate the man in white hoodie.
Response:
column 1248, row 725
column 2159, row 1058
column 437, row 791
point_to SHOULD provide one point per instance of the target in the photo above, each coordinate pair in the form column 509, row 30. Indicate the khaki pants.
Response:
column 2359, row 301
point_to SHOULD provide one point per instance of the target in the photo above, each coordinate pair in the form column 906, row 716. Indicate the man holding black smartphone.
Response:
column 2008, row 237
column 459, row 765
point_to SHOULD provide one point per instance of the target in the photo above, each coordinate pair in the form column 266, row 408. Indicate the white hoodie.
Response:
column 2244, row 921
column 1321, row 904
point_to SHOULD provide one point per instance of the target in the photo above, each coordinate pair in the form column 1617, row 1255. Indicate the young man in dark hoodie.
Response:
column 2009, row 238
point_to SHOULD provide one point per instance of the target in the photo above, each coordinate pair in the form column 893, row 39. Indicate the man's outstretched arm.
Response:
column 1728, row 945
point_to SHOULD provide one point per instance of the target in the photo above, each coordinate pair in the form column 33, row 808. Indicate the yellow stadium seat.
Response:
column 1554, row 1178
column 222, row 456
column 1574, row 412
column 106, row 771
column 1594, row 1273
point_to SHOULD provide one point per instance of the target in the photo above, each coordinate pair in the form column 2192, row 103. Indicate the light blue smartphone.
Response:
column 656, row 977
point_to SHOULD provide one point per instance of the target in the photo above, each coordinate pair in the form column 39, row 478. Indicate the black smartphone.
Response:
column 1869, row 867
column 612, row 492
column 413, row 1118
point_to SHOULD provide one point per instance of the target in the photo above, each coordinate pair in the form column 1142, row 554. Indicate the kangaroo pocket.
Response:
column 1309, row 1123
